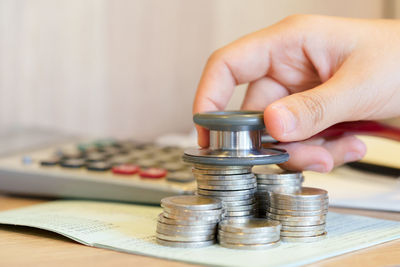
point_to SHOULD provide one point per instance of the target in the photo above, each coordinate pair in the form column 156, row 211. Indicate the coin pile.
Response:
column 302, row 214
column 234, row 185
column 274, row 179
column 188, row 221
column 250, row 233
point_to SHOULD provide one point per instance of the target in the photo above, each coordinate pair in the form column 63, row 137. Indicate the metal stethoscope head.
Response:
column 235, row 139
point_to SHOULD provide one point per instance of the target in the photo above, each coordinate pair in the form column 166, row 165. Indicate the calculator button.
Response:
column 126, row 169
column 153, row 173
column 99, row 166
column 73, row 163
column 119, row 160
column 146, row 163
column 173, row 166
column 181, row 177
column 95, row 157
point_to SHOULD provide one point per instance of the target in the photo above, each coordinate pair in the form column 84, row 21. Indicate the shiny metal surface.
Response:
column 235, row 140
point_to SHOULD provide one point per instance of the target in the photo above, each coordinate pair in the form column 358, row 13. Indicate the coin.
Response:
column 250, row 226
column 239, row 213
column 299, row 223
column 296, row 213
column 163, row 219
column 236, row 177
column 227, row 187
column 192, row 202
column 296, row 207
column 303, row 228
column 185, row 233
column 227, row 182
column 234, row 198
column 271, row 172
column 175, row 244
column 215, row 219
column 226, row 193
column 221, row 171
column 304, row 239
column 183, row 212
column 228, row 204
column 279, row 182
column 258, row 240
column 241, row 208
column 296, row 218
column 302, row 234
column 218, row 167
column 277, row 201
column 186, row 227
column 306, row 193
column 250, row 247
column 185, row 238
column 274, row 233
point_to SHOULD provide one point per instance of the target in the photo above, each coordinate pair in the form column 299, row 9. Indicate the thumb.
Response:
column 302, row 115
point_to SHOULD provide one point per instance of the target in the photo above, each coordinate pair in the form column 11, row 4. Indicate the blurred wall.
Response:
column 126, row 67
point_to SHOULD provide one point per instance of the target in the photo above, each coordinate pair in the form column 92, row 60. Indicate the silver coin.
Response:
column 192, row 202
column 297, row 213
column 271, row 172
column 299, row 223
column 236, row 177
column 296, row 218
column 235, row 198
column 228, row 204
column 295, row 207
column 279, row 188
column 302, row 234
column 237, row 219
column 185, row 233
column 250, row 226
column 227, row 183
column 227, row 187
column 183, row 212
column 220, row 171
column 306, row 193
column 239, row 213
column 241, row 208
column 175, row 244
column 185, row 238
column 247, row 192
column 248, row 236
column 278, row 202
column 250, row 247
column 304, row 239
column 251, row 241
column 304, row 228
column 186, row 227
column 205, row 219
column 165, row 220
column 279, row 181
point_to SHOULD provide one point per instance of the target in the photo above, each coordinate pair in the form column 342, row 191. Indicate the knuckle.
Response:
column 216, row 56
column 315, row 105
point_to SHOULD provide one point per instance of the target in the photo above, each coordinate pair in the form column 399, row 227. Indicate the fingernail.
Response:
column 287, row 120
column 315, row 168
column 352, row 156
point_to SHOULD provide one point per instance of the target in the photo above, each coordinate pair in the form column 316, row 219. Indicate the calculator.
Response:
column 106, row 169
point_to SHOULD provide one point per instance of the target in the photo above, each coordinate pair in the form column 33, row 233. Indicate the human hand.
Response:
column 307, row 73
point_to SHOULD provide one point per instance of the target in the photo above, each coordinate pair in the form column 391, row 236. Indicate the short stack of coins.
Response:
column 252, row 234
column 274, row 179
column 302, row 214
column 234, row 185
column 188, row 221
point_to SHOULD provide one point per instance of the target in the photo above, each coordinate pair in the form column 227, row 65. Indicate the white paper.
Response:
column 131, row 228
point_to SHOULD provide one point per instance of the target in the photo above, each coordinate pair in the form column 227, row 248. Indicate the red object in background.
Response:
column 126, row 169
column 153, row 173
column 372, row 128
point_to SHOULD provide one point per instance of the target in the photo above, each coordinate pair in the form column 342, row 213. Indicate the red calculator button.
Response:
column 127, row 169
column 153, row 173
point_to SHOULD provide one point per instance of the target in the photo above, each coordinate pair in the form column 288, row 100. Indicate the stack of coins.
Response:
column 188, row 221
column 249, row 234
column 270, row 179
column 302, row 214
column 234, row 185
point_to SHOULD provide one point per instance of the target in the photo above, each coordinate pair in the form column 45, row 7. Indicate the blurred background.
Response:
column 128, row 68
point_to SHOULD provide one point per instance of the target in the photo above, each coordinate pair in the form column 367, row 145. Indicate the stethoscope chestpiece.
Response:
column 235, row 140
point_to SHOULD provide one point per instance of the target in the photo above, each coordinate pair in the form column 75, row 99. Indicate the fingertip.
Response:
column 202, row 136
column 273, row 123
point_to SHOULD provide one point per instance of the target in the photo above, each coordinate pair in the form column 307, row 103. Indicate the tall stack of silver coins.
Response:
column 188, row 221
column 251, row 234
column 302, row 214
column 274, row 179
column 234, row 185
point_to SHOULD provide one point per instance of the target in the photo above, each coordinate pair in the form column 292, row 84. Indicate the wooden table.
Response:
column 23, row 246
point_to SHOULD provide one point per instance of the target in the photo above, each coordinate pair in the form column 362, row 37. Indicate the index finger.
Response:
column 242, row 61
